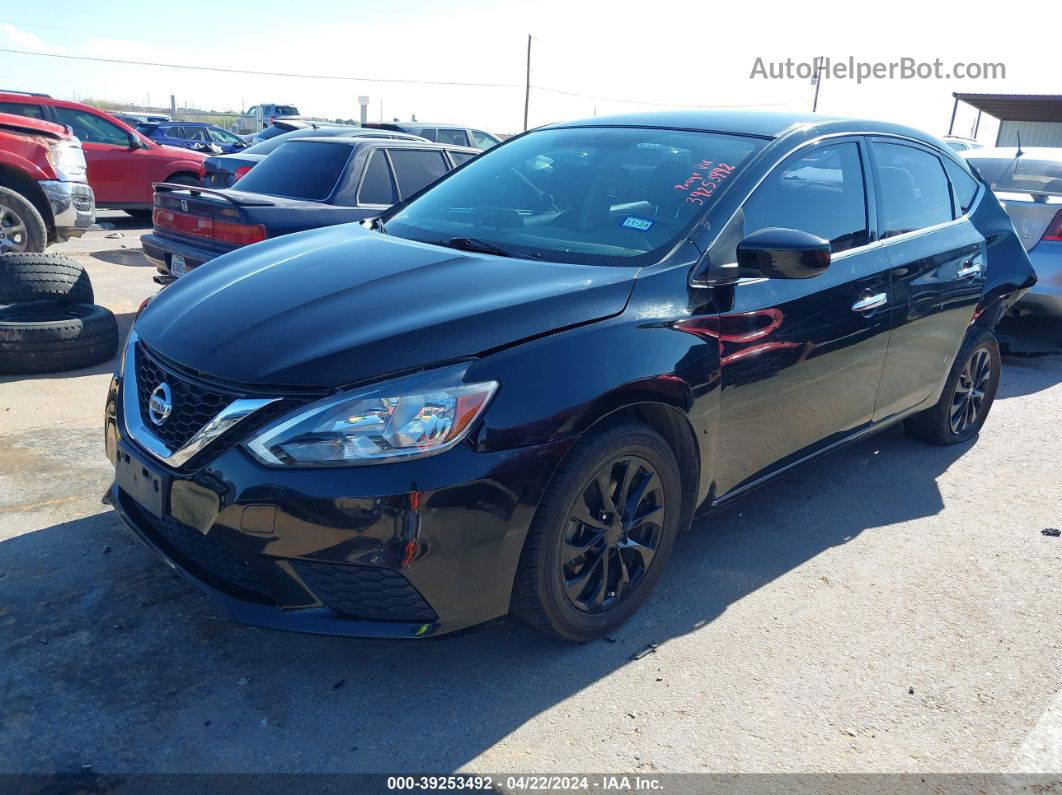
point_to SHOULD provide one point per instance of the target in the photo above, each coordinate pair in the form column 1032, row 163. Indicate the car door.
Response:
column 938, row 271
column 800, row 359
column 117, row 171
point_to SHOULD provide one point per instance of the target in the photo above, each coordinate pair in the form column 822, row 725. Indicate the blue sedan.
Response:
column 194, row 135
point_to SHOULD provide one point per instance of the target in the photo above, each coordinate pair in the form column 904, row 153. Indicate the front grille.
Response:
column 215, row 563
column 365, row 592
column 193, row 405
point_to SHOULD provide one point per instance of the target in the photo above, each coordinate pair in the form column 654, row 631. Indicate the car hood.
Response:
column 335, row 306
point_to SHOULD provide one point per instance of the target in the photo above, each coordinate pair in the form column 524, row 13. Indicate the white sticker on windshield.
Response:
column 634, row 222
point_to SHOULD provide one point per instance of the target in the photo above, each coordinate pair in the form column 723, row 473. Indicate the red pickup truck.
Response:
column 44, row 197
column 122, row 163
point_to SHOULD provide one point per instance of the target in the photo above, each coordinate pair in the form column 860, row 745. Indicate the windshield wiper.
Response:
column 475, row 244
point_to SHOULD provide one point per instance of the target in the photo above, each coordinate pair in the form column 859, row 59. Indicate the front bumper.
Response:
column 404, row 550
column 73, row 207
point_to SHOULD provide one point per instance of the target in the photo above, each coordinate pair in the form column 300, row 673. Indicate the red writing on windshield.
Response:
column 701, row 184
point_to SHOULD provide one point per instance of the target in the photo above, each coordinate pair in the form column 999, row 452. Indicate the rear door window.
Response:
column 299, row 170
column 22, row 109
column 378, row 184
column 417, row 168
column 821, row 192
column 451, row 136
column 915, row 192
column 963, row 183
column 460, row 157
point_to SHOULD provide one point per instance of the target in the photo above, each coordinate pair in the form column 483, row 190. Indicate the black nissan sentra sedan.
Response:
column 512, row 391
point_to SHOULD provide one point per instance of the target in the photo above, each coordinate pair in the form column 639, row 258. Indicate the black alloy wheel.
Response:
column 967, row 395
column 613, row 533
column 602, row 534
column 970, row 391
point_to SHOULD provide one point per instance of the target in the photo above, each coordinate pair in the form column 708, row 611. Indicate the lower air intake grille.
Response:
column 212, row 561
column 365, row 592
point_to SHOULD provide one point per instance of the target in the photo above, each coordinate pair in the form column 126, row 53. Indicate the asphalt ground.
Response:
column 894, row 607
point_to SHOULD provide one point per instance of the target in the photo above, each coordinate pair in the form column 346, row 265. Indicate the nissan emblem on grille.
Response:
column 160, row 404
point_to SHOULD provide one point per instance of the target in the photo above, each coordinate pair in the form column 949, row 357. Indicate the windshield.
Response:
column 594, row 195
column 1020, row 175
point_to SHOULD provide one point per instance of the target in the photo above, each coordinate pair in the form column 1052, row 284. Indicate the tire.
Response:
column 140, row 215
column 43, row 277
column 967, row 396
column 582, row 611
column 21, row 226
column 48, row 337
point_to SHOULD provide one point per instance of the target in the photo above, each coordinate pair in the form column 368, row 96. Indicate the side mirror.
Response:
column 780, row 253
column 136, row 142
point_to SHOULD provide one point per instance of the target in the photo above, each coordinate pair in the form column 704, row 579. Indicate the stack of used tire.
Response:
column 48, row 322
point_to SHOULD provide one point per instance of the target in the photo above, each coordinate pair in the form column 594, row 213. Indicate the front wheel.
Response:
column 967, row 397
column 602, row 534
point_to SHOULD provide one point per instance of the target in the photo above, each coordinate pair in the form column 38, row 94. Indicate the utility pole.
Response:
column 817, row 80
column 527, row 84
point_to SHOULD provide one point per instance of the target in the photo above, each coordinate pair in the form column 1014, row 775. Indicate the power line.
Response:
column 259, row 73
column 376, row 80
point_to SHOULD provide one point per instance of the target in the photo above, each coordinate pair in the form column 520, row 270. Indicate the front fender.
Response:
column 558, row 386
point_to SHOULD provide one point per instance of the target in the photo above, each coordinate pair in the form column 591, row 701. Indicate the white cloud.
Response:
column 10, row 36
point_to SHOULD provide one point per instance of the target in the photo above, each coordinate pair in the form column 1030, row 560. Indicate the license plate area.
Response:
column 140, row 481
column 177, row 265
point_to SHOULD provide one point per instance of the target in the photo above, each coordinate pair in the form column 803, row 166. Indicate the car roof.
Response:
column 1009, row 152
column 388, row 142
column 760, row 123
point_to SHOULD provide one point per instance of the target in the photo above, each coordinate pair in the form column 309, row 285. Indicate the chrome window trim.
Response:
column 882, row 241
column 223, row 421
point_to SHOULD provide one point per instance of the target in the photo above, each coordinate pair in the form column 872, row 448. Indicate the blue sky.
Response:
column 670, row 53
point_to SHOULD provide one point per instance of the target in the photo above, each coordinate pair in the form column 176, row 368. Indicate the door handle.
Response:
column 870, row 302
column 969, row 269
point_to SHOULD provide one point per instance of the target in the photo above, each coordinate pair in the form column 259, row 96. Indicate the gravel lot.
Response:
column 893, row 607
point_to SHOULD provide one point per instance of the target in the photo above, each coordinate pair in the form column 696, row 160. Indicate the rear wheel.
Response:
column 967, row 397
column 602, row 535
column 21, row 227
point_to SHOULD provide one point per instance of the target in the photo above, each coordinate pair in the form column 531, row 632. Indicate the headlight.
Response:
column 410, row 417
column 68, row 160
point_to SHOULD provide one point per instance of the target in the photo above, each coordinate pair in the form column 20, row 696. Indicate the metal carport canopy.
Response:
column 1016, row 107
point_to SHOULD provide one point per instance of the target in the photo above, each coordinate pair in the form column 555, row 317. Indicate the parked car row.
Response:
column 508, row 392
column 122, row 163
